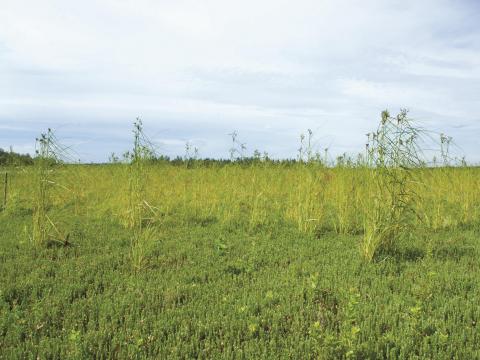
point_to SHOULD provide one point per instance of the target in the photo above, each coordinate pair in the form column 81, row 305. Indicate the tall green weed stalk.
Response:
column 394, row 153
column 48, row 155
column 141, row 154
column 140, row 212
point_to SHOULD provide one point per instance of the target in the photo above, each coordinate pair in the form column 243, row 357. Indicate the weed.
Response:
column 46, row 159
column 394, row 151
column 140, row 212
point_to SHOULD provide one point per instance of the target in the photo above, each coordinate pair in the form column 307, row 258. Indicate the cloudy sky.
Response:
column 195, row 70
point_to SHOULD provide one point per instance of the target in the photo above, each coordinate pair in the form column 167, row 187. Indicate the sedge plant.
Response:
column 49, row 153
column 140, row 213
column 394, row 152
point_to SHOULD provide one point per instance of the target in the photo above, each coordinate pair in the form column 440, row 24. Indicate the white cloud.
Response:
column 272, row 66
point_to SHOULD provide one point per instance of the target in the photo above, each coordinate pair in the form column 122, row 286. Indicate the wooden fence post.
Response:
column 5, row 190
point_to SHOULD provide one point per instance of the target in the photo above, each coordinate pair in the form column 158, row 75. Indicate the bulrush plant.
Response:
column 48, row 155
column 140, row 213
column 394, row 152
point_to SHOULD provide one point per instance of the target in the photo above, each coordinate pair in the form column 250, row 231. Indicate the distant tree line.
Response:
column 12, row 158
column 242, row 161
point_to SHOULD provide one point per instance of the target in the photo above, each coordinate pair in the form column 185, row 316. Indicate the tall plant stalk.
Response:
column 393, row 153
column 138, row 207
column 45, row 158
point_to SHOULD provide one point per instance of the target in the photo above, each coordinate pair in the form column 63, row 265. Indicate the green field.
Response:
column 372, row 258
column 236, row 261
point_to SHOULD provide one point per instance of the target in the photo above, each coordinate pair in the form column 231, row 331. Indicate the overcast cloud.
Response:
column 197, row 70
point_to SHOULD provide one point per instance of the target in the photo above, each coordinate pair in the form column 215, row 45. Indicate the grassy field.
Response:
column 235, row 261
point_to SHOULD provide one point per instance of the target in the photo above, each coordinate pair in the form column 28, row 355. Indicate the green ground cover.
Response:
column 225, row 289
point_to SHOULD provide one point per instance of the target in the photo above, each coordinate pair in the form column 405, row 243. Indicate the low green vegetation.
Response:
column 247, row 258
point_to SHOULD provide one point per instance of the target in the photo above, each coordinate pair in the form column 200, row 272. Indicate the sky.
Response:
column 196, row 70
